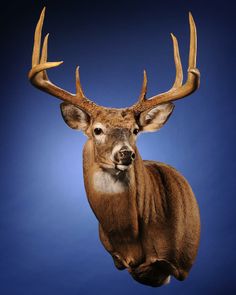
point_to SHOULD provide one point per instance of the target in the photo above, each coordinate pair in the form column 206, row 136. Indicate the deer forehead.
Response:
column 114, row 119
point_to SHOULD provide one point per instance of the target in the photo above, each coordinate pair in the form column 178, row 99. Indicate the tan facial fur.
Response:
column 117, row 131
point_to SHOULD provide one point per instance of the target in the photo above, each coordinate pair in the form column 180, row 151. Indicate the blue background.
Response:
column 48, row 234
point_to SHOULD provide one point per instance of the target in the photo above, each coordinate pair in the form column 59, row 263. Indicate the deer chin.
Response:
column 122, row 167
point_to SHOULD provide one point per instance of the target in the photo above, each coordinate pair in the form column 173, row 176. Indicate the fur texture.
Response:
column 148, row 216
column 153, row 227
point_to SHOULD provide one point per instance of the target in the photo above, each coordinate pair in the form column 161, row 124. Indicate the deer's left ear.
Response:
column 153, row 119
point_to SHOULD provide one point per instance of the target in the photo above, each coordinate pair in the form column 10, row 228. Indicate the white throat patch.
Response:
column 104, row 182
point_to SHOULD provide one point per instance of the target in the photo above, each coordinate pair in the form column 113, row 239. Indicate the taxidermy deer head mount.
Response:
column 148, row 216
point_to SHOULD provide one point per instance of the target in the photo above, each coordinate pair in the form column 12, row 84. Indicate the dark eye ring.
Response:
column 98, row 131
column 136, row 131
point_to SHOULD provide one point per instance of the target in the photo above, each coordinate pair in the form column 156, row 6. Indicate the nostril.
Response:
column 122, row 154
column 133, row 156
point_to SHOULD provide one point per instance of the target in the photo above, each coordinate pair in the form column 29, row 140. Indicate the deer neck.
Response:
column 111, row 195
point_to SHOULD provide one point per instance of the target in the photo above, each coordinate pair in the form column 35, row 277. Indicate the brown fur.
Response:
column 149, row 221
column 152, row 228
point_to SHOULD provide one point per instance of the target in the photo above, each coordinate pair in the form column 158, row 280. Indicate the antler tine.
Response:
column 144, row 87
column 193, row 43
column 37, row 39
column 79, row 91
column 44, row 55
column 38, row 75
column 178, row 64
column 178, row 90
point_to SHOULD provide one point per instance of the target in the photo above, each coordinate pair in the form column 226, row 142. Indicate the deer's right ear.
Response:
column 74, row 117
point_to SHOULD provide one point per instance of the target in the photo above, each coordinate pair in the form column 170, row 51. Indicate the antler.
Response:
column 178, row 90
column 39, row 78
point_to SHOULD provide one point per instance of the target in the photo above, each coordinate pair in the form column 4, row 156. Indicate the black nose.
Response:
column 125, row 156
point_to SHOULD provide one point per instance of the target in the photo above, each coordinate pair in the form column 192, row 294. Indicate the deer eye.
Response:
column 136, row 131
column 98, row 131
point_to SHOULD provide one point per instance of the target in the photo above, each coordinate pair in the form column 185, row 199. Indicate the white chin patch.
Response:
column 122, row 167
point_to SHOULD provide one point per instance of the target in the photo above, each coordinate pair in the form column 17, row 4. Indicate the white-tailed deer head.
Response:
column 147, row 213
column 114, row 132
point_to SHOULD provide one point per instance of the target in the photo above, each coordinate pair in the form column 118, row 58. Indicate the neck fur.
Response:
column 111, row 194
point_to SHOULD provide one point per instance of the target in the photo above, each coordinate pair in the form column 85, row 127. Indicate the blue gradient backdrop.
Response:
column 48, row 235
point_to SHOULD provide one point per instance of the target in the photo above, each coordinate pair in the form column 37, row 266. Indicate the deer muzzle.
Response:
column 124, row 156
